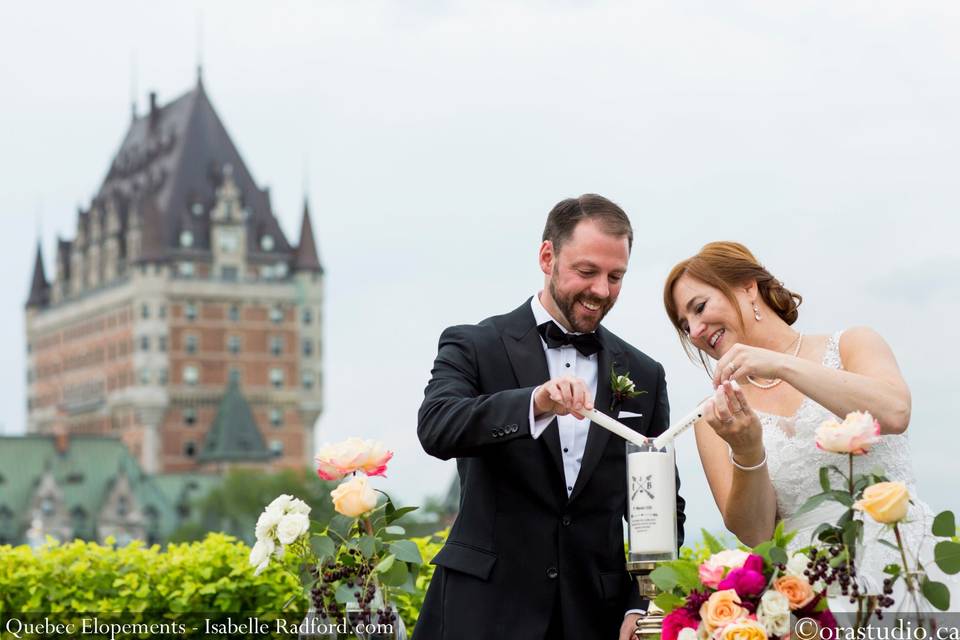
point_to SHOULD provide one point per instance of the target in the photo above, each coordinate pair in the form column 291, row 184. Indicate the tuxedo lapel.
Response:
column 525, row 351
column 610, row 357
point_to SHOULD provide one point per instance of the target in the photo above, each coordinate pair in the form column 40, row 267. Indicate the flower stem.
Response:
column 903, row 556
column 850, row 477
column 368, row 526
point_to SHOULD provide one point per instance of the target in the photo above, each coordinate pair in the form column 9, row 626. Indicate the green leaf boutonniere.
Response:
column 623, row 388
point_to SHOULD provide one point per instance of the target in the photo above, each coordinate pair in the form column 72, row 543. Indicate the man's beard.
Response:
column 566, row 306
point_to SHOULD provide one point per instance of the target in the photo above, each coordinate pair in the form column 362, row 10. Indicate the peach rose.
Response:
column 856, row 434
column 885, row 502
column 334, row 461
column 722, row 608
column 354, row 497
column 375, row 459
column 797, row 590
column 744, row 630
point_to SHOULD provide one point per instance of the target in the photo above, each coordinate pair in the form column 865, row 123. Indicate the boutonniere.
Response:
column 623, row 388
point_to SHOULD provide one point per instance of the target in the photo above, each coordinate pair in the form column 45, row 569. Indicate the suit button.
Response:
column 566, row 521
column 552, row 573
column 494, row 434
column 501, row 432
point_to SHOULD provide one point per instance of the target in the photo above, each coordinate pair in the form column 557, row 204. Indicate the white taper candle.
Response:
column 618, row 428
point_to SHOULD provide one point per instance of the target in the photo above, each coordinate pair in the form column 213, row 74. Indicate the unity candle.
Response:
column 652, row 502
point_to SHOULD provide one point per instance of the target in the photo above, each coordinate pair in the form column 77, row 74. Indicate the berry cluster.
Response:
column 825, row 567
column 356, row 576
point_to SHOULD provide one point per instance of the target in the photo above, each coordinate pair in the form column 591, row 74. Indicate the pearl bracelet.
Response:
column 743, row 468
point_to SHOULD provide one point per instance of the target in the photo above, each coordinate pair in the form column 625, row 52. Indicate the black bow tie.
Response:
column 555, row 337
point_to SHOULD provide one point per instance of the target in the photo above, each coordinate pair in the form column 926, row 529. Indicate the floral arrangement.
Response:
column 751, row 594
column 349, row 568
column 738, row 594
column 835, row 545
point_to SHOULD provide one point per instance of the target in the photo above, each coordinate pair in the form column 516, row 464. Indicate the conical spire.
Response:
column 234, row 436
column 306, row 257
column 39, row 287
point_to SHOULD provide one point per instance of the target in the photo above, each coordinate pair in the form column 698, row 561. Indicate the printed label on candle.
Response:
column 653, row 502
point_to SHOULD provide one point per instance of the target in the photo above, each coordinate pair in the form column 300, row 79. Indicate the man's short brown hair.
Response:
column 567, row 214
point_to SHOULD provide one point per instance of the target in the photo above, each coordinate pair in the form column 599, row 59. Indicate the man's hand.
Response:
column 629, row 626
column 561, row 396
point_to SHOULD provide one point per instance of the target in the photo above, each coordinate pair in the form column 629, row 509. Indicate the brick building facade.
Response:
column 178, row 290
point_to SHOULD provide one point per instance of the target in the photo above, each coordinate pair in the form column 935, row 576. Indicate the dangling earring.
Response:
column 756, row 311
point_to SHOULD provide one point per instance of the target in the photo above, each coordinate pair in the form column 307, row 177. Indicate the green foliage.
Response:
column 135, row 583
column 410, row 602
column 234, row 506
column 944, row 525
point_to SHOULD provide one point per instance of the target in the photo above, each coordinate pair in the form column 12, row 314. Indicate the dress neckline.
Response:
column 833, row 344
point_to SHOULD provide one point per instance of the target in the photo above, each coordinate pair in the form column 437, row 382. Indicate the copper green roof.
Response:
column 84, row 473
column 234, row 435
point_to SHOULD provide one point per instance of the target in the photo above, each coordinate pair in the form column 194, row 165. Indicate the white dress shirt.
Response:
column 565, row 361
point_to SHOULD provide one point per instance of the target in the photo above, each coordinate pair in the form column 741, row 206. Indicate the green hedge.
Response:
column 189, row 582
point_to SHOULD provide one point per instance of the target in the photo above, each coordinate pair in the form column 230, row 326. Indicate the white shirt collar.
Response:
column 540, row 313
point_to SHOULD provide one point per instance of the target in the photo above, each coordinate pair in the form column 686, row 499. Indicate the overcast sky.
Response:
column 433, row 137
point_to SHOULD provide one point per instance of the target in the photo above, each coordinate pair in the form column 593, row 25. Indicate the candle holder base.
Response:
column 650, row 623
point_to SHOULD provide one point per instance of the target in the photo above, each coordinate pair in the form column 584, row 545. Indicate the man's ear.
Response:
column 547, row 257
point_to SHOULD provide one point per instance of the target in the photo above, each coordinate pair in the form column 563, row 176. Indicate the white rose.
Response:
column 260, row 555
column 687, row 634
column 774, row 613
column 291, row 527
column 797, row 565
column 299, row 506
column 731, row 558
column 281, row 503
column 267, row 523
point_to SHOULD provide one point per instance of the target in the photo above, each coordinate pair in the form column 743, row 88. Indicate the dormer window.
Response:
column 266, row 242
column 229, row 242
column 186, row 238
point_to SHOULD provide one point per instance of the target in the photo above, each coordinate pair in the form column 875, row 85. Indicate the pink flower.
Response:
column 676, row 620
column 713, row 570
column 376, row 459
column 334, row 461
column 748, row 580
column 855, row 435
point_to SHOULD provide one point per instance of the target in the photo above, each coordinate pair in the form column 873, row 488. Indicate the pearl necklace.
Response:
column 775, row 381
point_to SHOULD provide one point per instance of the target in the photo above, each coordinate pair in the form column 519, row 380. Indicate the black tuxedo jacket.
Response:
column 519, row 544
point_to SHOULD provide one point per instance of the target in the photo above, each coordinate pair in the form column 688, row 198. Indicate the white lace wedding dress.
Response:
column 793, row 462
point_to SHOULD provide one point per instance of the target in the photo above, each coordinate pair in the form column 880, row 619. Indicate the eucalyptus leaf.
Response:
column 324, row 547
column 395, row 530
column 887, row 543
column 944, row 525
column 344, row 594
column 667, row 602
column 407, row 551
column 396, row 575
column 367, row 545
column 937, row 593
column 384, row 565
column 947, row 556
column 763, row 550
column 778, row 555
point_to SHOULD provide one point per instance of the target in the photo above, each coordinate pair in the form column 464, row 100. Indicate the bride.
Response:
column 773, row 387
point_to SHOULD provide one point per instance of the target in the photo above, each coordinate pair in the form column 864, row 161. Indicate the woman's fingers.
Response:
column 731, row 397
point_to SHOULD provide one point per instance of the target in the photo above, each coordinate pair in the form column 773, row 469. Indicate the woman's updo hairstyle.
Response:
column 726, row 266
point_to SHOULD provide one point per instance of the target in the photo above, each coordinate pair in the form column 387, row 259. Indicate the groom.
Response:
column 536, row 551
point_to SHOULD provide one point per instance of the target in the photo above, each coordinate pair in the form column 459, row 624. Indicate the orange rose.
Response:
column 885, row 502
column 723, row 607
column 744, row 630
column 798, row 591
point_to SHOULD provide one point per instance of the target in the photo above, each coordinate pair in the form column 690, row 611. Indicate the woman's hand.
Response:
column 729, row 415
column 742, row 360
